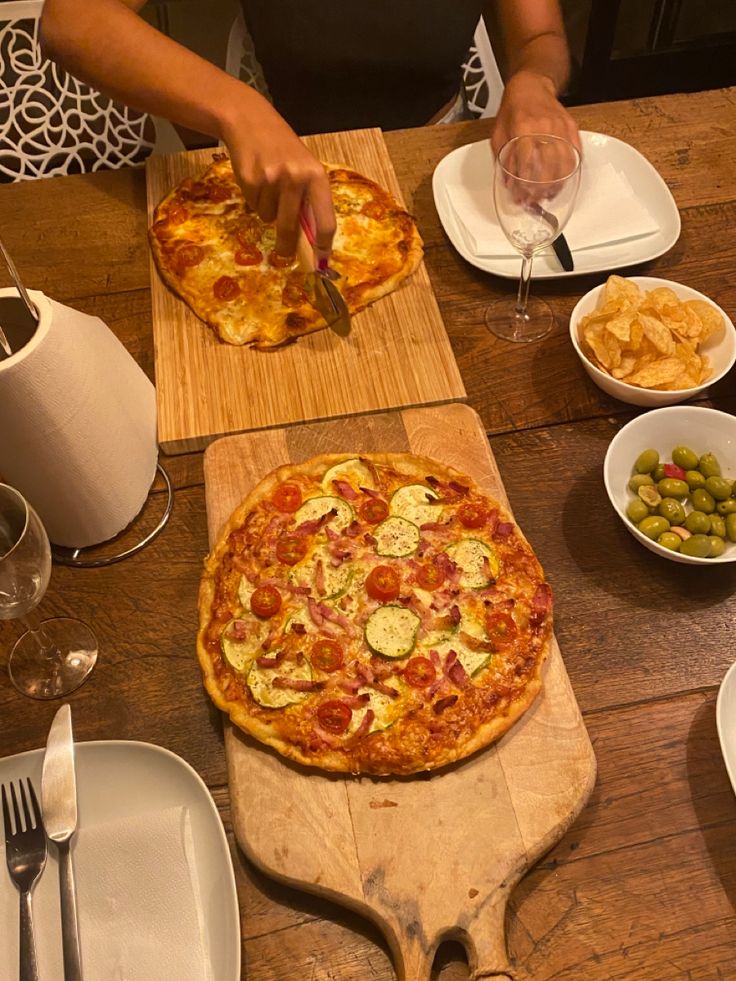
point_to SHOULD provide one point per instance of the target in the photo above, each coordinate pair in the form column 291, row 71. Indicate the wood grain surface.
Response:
column 397, row 354
column 366, row 842
column 642, row 887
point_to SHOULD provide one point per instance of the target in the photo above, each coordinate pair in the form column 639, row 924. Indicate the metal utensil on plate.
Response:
column 30, row 306
column 59, row 798
column 560, row 246
column 327, row 297
column 25, row 853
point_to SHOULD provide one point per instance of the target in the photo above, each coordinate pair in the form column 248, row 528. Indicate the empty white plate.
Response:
column 726, row 721
column 470, row 165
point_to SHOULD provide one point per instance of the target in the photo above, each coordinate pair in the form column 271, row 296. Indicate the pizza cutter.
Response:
column 327, row 297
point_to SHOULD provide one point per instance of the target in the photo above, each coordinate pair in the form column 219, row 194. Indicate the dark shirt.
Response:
column 345, row 64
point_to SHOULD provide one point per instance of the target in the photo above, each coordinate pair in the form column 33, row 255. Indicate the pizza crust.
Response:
column 410, row 754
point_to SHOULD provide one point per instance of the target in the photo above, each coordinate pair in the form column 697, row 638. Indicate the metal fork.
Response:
column 25, row 852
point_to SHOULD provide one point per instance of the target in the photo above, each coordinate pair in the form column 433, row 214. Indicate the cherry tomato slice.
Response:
column 430, row 576
column 500, row 627
column 218, row 192
column 383, row 583
column 177, row 214
column 287, row 497
column 189, row 255
column 472, row 515
column 374, row 510
column 326, row 655
column 226, row 288
column 265, row 602
column 248, row 255
column 419, row 672
column 334, row 716
column 291, row 549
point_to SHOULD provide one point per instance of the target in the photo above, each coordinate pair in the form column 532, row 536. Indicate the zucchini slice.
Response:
column 260, row 682
column 386, row 710
column 410, row 502
column 471, row 555
column 240, row 652
column 392, row 631
column 314, row 507
column 396, row 536
column 337, row 580
column 353, row 471
column 471, row 660
column 245, row 591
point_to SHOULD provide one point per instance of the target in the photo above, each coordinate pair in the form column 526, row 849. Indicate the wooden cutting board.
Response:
column 429, row 857
column 398, row 353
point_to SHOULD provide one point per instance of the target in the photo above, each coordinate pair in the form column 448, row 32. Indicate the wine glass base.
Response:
column 61, row 668
column 504, row 320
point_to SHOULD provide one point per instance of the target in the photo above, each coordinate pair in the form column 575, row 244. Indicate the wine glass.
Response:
column 535, row 183
column 53, row 657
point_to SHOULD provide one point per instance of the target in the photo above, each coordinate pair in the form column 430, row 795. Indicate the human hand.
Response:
column 280, row 177
column 530, row 105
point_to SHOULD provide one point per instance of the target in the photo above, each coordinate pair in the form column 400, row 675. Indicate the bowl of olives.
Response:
column 671, row 476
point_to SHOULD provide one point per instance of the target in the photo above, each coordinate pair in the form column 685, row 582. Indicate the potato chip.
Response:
column 649, row 339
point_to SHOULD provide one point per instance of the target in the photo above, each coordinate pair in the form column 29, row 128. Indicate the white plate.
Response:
column 469, row 165
column 119, row 779
column 726, row 722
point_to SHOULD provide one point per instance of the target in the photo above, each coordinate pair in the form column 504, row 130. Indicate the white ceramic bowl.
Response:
column 720, row 350
column 703, row 430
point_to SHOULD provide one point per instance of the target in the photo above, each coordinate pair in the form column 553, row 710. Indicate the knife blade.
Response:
column 59, row 806
column 327, row 297
column 563, row 253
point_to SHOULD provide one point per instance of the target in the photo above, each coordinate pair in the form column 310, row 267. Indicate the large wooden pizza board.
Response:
column 429, row 857
column 398, row 353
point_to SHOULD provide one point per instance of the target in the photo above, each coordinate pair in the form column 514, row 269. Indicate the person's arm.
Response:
column 535, row 62
column 106, row 44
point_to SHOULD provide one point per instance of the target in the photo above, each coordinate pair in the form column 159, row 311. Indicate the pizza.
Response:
column 373, row 614
column 219, row 257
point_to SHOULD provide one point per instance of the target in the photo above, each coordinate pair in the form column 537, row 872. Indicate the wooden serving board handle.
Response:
column 431, row 857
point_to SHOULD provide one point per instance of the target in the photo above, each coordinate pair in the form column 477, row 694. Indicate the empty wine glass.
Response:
column 53, row 657
column 535, row 183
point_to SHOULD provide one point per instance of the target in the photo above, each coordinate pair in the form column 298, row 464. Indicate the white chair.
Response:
column 481, row 77
column 51, row 123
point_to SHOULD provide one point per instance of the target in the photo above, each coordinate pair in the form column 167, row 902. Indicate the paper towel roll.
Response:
column 77, row 426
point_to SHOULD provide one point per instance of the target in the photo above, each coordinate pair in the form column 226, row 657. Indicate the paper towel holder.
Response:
column 74, row 557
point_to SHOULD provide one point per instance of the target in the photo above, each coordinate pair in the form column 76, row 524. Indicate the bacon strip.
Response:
column 541, row 605
column 364, row 726
column 345, row 490
column 370, row 492
column 271, row 662
column 296, row 684
column 319, row 577
column 503, row 530
column 307, row 527
column 443, row 703
column 458, row 675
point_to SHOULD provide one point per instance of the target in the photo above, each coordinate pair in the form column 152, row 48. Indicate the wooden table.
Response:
column 643, row 886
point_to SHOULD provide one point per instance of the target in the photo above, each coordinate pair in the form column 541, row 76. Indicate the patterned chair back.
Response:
column 51, row 123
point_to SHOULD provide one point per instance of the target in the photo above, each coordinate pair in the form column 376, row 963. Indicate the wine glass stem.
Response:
column 33, row 624
column 526, row 276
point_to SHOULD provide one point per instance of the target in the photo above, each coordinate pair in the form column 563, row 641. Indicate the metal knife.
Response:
column 59, row 806
column 327, row 297
column 563, row 253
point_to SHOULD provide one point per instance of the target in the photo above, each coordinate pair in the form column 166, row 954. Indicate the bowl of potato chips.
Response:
column 670, row 475
column 651, row 342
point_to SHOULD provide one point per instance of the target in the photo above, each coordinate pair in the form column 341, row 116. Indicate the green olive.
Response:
column 717, row 525
column 709, row 466
column 727, row 507
column 672, row 487
column 684, row 457
column 658, row 473
column 670, row 540
column 703, row 501
column 650, row 495
column 697, row 523
column 730, row 527
column 694, row 479
column 637, row 511
column 717, row 546
column 639, row 480
column 646, row 461
column 672, row 510
column 696, row 545
column 653, row 526
column 718, row 487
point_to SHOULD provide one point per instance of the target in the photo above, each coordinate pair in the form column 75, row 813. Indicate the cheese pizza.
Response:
column 375, row 614
column 219, row 257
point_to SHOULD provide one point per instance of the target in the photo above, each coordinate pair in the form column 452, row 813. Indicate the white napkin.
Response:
column 138, row 898
column 607, row 210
